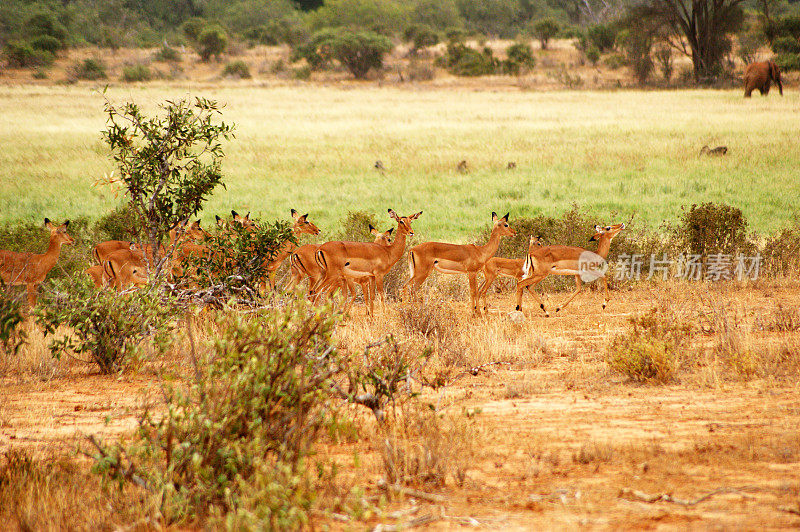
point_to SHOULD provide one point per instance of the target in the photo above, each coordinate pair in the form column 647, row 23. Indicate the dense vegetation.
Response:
column 358, row 32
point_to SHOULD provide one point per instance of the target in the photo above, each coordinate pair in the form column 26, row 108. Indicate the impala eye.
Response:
column 608, row 228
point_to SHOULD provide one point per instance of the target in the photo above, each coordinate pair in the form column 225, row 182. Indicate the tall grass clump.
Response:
column 712, row 228
column 231, row 443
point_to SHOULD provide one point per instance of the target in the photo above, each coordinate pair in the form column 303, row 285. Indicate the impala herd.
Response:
column 331, row 266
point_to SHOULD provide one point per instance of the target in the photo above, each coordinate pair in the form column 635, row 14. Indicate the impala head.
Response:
column 501, row 225
column 534, row 242
column 302, row 225
column 59, row 232
column 609, row 231
column 245, row 220
column 384, row 238
column 404, row 222
column 221, row 222
column 195, row 232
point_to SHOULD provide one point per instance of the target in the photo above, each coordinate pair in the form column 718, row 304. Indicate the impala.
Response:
column 125, row 267
column 566, row 260
column 301, row 226
column 98, row 275
column 505, row 267
column 363, row 261
column 456, row 259
column 30, row 269
column 304, row 264
column 103, row 249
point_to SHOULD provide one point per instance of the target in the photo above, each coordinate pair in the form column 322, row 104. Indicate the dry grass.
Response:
column 550, row 437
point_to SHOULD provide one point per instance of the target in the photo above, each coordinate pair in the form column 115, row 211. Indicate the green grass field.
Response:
column 313, row 148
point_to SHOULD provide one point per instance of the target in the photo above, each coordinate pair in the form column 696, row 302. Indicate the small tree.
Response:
column 420, row 36
column 212, row 41
column 357, row 51
column 545, row 30
column 169, row 164
column 663, row 55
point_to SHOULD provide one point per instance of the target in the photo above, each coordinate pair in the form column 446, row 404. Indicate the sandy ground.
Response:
column 570, row 446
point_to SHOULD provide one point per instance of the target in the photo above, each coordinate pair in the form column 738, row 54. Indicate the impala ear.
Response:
column 494, row 216
column 372, row 230
column 598, row 228
column 506, row 216
column 594, row 237
column 295, row 215
column 393, row 214
column 390, row 231
column 66, row 224
column 217, row 218
column 414, row 217
column 304, row 216
column 247, row 216
column 196, row 223
column 47, row 222
column 234, row 213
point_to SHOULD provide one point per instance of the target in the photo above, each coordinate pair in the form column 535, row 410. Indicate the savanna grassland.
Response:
column 503, row 421
column 615, row 153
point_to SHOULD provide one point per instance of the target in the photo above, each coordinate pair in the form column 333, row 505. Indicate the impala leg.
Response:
column 413, row 284
column 578, row 285
column 32, row 294
column 379, row 288
column 530, row 283
column 272, row 279
column 489, row 278
column 473, row 292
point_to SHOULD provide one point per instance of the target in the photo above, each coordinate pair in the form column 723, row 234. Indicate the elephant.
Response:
column 760, row 76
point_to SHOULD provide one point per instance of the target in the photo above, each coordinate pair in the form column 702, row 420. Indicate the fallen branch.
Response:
column 664, row 497
column 790, row 509
column 128, row 473
column 417, row 521
column 430, row 497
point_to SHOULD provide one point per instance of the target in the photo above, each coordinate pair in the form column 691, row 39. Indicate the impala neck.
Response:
column 397, row 247
column 53, row 251
column 603, row 245
column 490, row 248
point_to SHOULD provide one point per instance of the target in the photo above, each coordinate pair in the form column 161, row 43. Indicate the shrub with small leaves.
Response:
column 89, row 69
column 462, row 60
column 234, row 437
column 133, row 73
column 519, row 59
column 12, row 337
column 420, row 36
column 46, row 43
column 237, row 69
column 650, row 350
column 712, row 228
column 212, row 41
column 168, row 54
column 545, row 30
column 23, row 55
column 103, row 324
column 593, row 54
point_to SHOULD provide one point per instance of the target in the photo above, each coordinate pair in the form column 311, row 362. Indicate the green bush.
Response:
column 44, row 24
column 119, row 224
column 421, row 36
column 193, row 27
column 713, row 228
column 105, row 325
column 602, row 36
column 167, row 54
column 355, row 227
column 46, row 43
column 235, row 437
column 614, row 61
column 519, row 58
column 786, row 45
column 544, row 30
column 650, row 350
column 23, row 55
column 357, row 51
column 462, row 60
column 788, row 62
column 593, row 54
column 212, row 41
column 133, row 73
column 302, row 73
column 12, row 336
column 780, row 251
column 40, row 73
column 90, row 69
column 237, row 69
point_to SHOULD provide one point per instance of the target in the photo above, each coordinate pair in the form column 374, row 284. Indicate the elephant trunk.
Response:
column 780, row 86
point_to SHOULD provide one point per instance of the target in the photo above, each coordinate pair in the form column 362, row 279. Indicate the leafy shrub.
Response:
column 782, row 251
column 713, row 228
column 789, row 26
column 788, row 62
column 650, row 350
column 235, row 437
column 602, row 36
column 544, row 30
column 420, row 71
column 193, row 27
column 105, row 325
column 593, row 54
column 40, row 73
column 302, row 73
column 12, row 337
column 167, row 54
column 237, row 259
column 237, row 69
column 44, row 24
column 786, row 45
column 46, row 43
column 614, row 61
column 133, row 73
column 212, row 41
column 357, row 51
column 636, row 43
column 355, row 227
column 462, row 60
column 421, row 36
column 749, row 44
column 119, row 224
column 90, row 69
column 519, row 59
column 23, row 55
